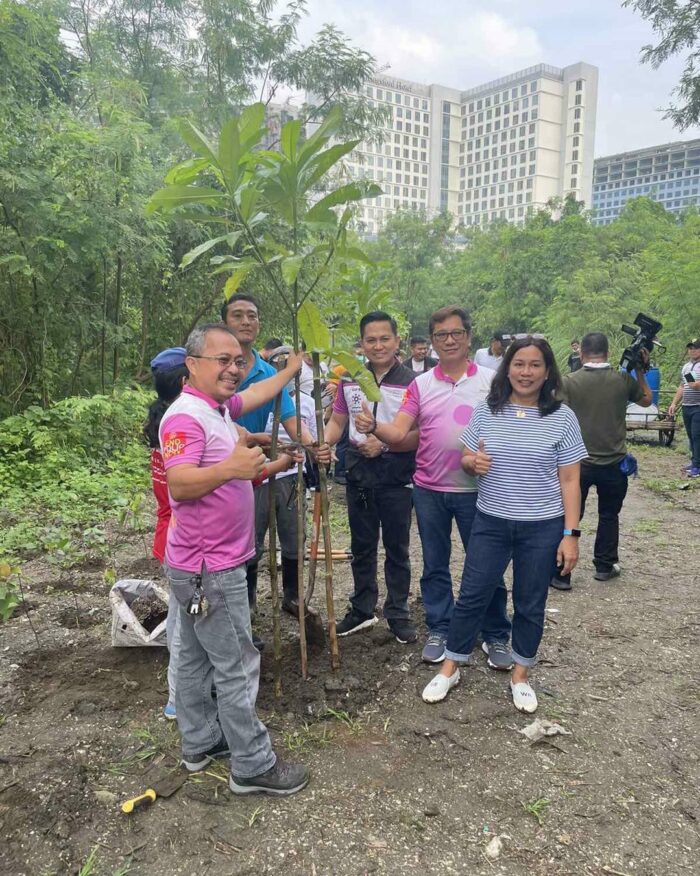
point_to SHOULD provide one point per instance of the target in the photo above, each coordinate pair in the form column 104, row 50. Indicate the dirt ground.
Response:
column 397, row 786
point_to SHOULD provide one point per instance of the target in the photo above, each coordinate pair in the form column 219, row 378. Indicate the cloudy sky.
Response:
column 465, row 44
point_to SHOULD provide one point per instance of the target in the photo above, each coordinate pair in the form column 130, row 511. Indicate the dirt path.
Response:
column 398, row 786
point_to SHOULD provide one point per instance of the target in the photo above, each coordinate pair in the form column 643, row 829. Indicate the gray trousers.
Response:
column 217, row 647
column 172, row 635
column 286, row 507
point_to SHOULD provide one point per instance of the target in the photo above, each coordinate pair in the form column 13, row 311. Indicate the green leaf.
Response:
column 196, row 140
column 186, row 171
column 251, row 126
column 195, row 253
column 327, row 129
column 314, row 330
column 357, row 370
column 289, row 138
column 349, row 192
column 177, row 196
column 248, row 200
column 230, row 152
column 236, row 278
column 357, row 254
column 326, row 160
column 290, row 268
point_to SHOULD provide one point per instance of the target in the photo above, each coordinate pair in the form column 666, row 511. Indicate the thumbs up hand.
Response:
column 365, row 421
column 478, row 463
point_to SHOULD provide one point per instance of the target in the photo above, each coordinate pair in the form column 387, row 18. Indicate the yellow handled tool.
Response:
column 148, row 796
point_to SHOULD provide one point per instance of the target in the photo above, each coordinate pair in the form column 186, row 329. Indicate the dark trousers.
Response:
column 691, row 421
column 369, row 510
column 532, row 545
column 611, row 485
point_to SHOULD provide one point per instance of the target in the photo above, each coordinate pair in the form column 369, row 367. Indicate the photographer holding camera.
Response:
column 599, row 396
column 688, row 393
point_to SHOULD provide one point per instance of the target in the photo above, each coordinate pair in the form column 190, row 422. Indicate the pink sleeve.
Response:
column 340, row 406
column 234, row 405
column 181, row 440
column 410, row 404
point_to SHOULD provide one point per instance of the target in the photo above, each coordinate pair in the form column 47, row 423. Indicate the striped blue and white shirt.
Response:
column 526, row 451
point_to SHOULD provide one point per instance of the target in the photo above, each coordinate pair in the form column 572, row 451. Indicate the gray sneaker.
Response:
column 434, row 649
column 282, row 779
column 499, row 655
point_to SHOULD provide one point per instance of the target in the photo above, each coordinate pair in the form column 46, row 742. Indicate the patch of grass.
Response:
column 647, row 524
column 537, row 808
column 88, row 868
column 152, row 744
column 338, row 515
column 355, row 725
column 307, row 738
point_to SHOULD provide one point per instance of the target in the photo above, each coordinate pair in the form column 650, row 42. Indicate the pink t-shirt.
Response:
column 218, row 529
column 442, row 409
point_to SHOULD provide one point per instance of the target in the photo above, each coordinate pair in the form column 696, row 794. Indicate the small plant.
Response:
column 355, row 725
column 9, row 591
column 88, row 867
column 537, row 808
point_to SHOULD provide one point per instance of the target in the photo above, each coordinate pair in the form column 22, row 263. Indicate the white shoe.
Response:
column 524, row 697
column 439, row 687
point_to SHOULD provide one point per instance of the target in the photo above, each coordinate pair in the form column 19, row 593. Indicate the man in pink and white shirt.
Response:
column 441, row 403
column 209, row 468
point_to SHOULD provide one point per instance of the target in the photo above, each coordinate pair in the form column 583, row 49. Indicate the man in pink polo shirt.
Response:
column 209, row 468
column 441, row 403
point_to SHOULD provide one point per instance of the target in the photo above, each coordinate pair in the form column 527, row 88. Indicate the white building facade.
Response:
column 490, row 153
column 669, row 174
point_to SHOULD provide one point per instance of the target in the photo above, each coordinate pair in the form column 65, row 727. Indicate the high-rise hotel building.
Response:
column 492, row 152
column 669, row 174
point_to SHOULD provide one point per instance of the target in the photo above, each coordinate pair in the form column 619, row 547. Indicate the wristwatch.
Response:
column 575, row 532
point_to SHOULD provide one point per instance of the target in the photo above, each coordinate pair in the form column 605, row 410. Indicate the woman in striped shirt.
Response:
column 526, row 447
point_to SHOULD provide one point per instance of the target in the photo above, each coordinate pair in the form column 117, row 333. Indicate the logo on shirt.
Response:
column 356, row 399
column 174, row 444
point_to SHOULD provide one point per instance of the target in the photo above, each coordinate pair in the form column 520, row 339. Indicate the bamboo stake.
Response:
column 272, row 529
column 313, row 551
column 301, row 494
column 323, row 489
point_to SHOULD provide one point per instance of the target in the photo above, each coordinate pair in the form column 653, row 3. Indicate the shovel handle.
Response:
column 148, row 796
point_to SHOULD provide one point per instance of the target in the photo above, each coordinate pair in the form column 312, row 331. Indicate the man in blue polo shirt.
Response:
column 241, row 315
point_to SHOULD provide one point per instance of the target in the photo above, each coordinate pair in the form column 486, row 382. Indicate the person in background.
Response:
column 525, row 446
column 574, row 360
column 491, row 356
column 209, row 464
column 419, row 360
column 688, row 394
column 599, row 394
column 378, row 485
column 270, row 345
column 169, row 374
column 440, row 403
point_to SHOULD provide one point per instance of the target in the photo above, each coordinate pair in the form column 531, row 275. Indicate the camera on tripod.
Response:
column 644, row 338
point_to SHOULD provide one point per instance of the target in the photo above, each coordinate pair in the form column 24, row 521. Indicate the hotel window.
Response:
column 578, row 100
column 574, row 155
column 574, row 182
column 575, row 143
column 579, row 85
column 533, row 86
column 577, row 127
column 577, row 113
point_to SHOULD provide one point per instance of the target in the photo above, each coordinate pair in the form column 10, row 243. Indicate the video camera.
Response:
column 644, row 339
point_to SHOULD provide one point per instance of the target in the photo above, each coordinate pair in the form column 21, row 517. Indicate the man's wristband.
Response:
column 575, row 532
column 264, row 475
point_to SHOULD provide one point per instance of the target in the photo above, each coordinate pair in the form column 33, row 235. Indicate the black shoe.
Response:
column 258, row 642
column 340, row 480
column 353, row 623
column 404, row 631
column 282, row 779
column 560, row 583
column 291, row 606
column 607, row 574
column 196, row 762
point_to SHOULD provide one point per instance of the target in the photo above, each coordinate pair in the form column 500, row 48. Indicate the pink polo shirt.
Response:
column 218, row 529
column 442, row 408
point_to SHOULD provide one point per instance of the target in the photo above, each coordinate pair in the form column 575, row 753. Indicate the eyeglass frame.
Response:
column 239, row 362
column 454, row 334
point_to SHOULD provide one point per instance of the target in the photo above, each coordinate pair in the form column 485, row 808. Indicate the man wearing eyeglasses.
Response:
column 440, row 403
column 241, row 314
column 209, row 468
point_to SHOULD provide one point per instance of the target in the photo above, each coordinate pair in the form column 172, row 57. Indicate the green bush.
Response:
column 68, row 469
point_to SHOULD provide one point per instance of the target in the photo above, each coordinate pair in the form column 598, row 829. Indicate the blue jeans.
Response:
column 435, row 512
column 532, row 545
column 217, row 647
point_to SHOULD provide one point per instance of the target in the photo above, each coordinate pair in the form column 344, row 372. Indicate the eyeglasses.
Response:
column 456, row 335
column 225, row 361
column 523, row 335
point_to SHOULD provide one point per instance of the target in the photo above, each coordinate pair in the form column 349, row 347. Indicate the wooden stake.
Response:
column 272, row 529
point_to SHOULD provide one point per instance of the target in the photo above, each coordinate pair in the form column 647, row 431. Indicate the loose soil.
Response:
column 397, row 786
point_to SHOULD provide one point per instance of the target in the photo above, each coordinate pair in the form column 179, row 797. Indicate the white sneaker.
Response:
column 439, row 687
column 524, row 697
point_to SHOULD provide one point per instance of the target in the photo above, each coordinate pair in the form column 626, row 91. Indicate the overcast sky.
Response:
column 466, row 44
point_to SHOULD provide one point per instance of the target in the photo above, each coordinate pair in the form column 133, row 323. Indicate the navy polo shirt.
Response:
column 255, row 421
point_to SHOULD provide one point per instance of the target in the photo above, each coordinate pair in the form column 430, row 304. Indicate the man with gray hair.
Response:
column 209, row 468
